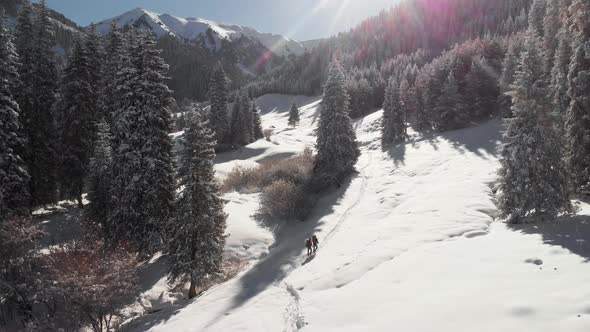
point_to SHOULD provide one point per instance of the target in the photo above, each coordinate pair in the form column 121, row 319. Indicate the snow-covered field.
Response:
column 409, row 244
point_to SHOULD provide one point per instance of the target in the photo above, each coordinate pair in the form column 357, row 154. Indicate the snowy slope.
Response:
column 409, row 243
column 193, row 28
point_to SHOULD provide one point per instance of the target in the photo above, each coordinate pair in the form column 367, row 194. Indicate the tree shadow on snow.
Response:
column 569, row 232
column 288, row 251
column 242, row 153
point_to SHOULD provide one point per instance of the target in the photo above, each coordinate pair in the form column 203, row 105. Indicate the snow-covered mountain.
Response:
column 194, row 28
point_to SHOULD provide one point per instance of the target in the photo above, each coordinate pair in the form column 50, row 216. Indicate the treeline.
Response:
column 381, row 45
column 101, row 126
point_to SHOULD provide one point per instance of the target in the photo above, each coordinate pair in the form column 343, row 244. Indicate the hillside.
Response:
column 409, row 243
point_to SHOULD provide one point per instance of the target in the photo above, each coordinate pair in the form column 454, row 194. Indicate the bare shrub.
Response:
column 268, row 133
column 94, row 281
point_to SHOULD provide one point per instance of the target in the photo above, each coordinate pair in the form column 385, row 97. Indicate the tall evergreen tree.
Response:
column 450, row 109
column 577, row 125
column 509, row 67
column 559, row 73
column 218, row 117
column 394, row 120
column 537, row 15
column 407, row 96
column 336, row 144
column 36, row 97
column 551, row 24
column 99, row 178
column 14, row 178
column 196, row 234
column 533, row 181
column 113, row 62
column 242, row 120
column 78, row 109
column 142, row 165
column 293, row 115
column 257, row 122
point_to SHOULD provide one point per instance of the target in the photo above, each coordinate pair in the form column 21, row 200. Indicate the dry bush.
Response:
column 94, row 282
column 297, row 170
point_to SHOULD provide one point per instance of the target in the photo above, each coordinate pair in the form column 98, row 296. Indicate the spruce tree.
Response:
column 257, row 122
column 551, row 26
column 99, row 178
column 559, row 73
column 293, row 115
column 407, row 96
column 196, row 234
column 537, row 15
column 14, row 178
column 218, row 117
column 337, row 149
column 450, row 109
column 77, row 112
column 36, row 96
column 143, row 186
column 113, row 62
column 509, row 67
column 242, row 121
column 394, row 120
column 577, row 122
column 532, row 177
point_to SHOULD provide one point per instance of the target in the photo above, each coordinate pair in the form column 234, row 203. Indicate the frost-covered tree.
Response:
column 196, row 233
column 143, row 187
column 36, row 97
column 337, row 149
column 537, row 15
column 293, row 115
column 218, row 117
column 14, row 178
column 509, row 67
column 450, row 109
column 112, row 65
column 532, row 177
column 577, row 122
column 407, row 96
column 559, row 73
column 394, row 129
column 257, row 122
column 99, row 178
column 77, row 121
column 551, row 24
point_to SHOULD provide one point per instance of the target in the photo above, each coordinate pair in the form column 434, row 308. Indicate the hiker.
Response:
column 315, row 243
column 308, row 245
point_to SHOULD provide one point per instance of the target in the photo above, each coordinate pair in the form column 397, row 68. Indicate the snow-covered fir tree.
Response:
column 450, row 108
column 242, row 120
column 559, row 72
column 481, row 91
column 532, row 177
column 99, row 178
column 394, row 128
column 218, row 116
column 337, row 149
column 196, row 233
column 77, row 121
column 257, row 122
column 407, row 96
column 143, row 186
column 293, row 115
column 112, row 65
column 577, row 122
column 14, row 178
column 551, row 24
column 36, row 97
column 537, row 15
column 509, row 67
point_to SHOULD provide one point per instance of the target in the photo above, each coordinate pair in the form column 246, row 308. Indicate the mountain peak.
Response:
column 192, row 28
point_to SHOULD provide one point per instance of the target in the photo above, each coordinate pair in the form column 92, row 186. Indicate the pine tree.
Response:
column 293, row 115
column 14, row 178
column 36, row 97
column 257, row 122
column 509, row 67
column 407, row 96
column 533, row 181
column 99, row 178
column 218, row 115
column 450, row 109
column 551, row 26
column 112, row 65
column 394, row 120
column 143, row 186
column 242, row 120
column 536, row 16
column 481, row 91
column 577, row 124
column 337, row 149
column 196, row 234
column 559, row 73
column 77, row 123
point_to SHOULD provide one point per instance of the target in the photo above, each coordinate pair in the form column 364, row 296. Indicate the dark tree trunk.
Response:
column 192, row 291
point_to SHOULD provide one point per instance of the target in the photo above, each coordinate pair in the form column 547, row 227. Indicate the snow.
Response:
column 192, row 28
column 410, row 243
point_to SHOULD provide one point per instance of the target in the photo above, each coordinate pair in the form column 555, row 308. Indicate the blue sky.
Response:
column 299, row 19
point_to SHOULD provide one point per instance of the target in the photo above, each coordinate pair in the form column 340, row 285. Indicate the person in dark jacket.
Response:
column 308, row 245
column 315, row 242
